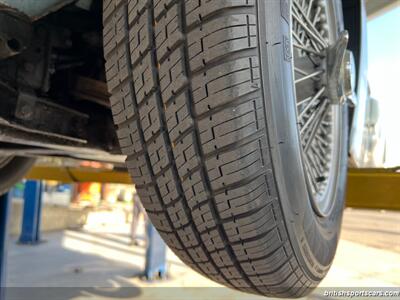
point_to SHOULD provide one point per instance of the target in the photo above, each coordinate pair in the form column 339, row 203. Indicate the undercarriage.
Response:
column 54, row 96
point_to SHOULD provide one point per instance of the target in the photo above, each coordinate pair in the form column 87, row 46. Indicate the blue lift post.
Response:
column 30, row 231
column 5, row 201
column 156, row 254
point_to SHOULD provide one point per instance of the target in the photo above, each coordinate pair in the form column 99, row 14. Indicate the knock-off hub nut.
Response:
column 340, row 71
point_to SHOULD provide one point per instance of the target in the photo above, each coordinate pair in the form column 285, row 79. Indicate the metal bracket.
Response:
column 43, row 115
column 35, row 9
column 15, row 32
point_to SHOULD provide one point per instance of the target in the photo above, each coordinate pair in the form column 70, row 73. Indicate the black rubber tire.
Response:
column 200, row 92
column 14, row 171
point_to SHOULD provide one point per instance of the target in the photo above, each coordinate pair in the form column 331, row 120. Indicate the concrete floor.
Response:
column 98, row 263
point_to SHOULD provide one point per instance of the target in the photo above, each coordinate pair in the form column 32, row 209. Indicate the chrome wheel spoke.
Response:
column 314, row 38
column 314, row 129
column 300, row 71
column 310, row 5
column 310, row 102
column 308, row 50
column 310, row 26
column 304, row 101
column 314, row 119
column 309, row 76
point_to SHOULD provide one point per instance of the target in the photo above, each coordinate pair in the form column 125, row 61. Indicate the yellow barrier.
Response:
column 366, row 188
column 373, row 188
column 71, row 175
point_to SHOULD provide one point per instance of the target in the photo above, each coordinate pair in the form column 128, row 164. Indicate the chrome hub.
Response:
column 349, row 76
column 339, row 69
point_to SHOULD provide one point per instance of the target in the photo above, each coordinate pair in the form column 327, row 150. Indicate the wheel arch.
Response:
column 355, row 21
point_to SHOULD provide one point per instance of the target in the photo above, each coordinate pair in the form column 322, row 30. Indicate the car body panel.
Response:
column 37, row 9
column 362, row 91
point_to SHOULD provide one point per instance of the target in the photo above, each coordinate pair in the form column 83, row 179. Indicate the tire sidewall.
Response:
column 14, row 171
column 314, row 239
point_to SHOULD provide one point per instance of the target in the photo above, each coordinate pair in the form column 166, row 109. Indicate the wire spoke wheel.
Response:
column 313, row 32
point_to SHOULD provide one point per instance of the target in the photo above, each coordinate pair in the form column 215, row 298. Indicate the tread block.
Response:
column 199, row 256
column 189, row 239
column 225, row 83
column 172, row 77
column 275, row 278
column 213, row 240
column 195, row 190
column 178, row 215
column 247, row 197
column 171, row 240
column 186, row 155
column 143, row 79
column 265, row 265
column 208, row 268
column 221, row 37
column 168, row 32
column 122, row 103
column 139, row 38
column 161, row 7
column 158, row 156
column 222, row 258
column 135, row 9
column 117, row 70
column 129, row 138
column 199, row 10
column 167, row 187
column 232, row 273
column 231, row 167
column 203, row 217
column 231, row 125
column 150, row 117
column 178, row 117
column 250, row 226
column 149, row 197
column 139, row 170
column 258, row 248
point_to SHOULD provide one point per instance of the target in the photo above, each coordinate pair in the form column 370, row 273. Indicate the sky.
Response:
column 384, row 78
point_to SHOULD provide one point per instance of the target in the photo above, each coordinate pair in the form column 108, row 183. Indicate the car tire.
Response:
column 13, row 170
column 205, row 110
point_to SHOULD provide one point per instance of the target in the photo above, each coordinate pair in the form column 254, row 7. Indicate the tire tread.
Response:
column 185, row 83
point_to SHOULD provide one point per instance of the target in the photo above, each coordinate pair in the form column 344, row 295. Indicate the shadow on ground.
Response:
column 64, row 269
